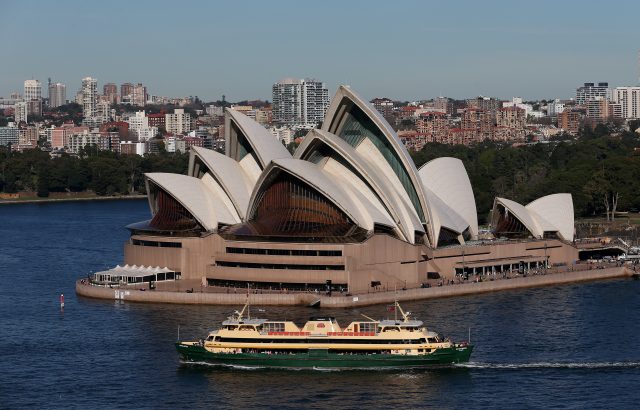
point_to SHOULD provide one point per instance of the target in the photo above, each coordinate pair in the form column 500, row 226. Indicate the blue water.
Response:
column 556, row 347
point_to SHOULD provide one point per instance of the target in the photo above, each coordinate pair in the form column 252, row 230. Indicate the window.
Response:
column 273, row 327
column 249, row 265
column 368, row 327
column 284, row 252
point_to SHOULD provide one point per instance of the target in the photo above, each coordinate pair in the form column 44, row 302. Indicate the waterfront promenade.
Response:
column 190, row 292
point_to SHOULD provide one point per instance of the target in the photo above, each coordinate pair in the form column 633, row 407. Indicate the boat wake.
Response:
column 550, row 365
column 231, row 366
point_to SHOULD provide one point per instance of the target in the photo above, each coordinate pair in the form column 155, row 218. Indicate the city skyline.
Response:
column 404, row 51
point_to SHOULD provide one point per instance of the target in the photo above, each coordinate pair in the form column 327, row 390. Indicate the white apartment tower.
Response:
column 629, row 100
column 589, row 91
column 300, row 103
column 178, row 123
column 20, row 112
column 89, row 97
column 32, row 90
column 57, row 95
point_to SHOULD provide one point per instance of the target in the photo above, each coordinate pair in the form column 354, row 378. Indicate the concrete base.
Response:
column 156, row 296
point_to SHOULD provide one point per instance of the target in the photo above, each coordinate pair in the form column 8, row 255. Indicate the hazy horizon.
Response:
column 402, row 50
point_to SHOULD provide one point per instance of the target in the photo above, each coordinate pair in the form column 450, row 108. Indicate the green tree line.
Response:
column 602, row 172
column 104, row 172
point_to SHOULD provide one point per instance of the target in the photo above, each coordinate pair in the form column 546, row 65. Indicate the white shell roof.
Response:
column 265, row 145
column 523, row 215
column 551, row 213
column 404, row 214
column 196, row 197
column 321, row 181
column 229, row 174
column 447, row 178
column 330, row 125
column 447, row 216
column 557, row 211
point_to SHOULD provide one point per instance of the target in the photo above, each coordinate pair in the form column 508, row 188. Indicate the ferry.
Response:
column 322, row 343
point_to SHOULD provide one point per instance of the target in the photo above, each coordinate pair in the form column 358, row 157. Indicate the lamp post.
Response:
column 546, row 261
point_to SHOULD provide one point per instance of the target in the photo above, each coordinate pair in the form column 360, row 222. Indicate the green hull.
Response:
column 325, row 359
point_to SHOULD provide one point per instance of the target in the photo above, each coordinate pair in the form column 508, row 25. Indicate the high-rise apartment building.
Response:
column 33, row 96
column 32, row 90
column 590, row 91
column 629, row 100
column 139, row 95
column 126, row 89
column 89, row 97
column 110, row 90
column 179, row 122
column 20, row 112
column 598, row 110
column 300, row 103
column 9, row 135
column 569, row 121
column 57, row 95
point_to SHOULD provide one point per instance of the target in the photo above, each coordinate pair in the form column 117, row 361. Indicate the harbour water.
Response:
column 571, row 346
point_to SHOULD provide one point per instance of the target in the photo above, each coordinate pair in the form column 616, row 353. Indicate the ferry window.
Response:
column 273, row 327
column 210, row 338
column 368, row 327
column 431, row 340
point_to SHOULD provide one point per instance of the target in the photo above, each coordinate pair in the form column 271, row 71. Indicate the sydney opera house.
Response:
column 349, row 209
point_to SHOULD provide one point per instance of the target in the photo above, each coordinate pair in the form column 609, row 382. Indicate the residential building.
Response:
column 299, row 102
column 32, row 90
column 20, row 112
column 484, row 103
column 434, row 124
column 179, row 122
column 131, row 147
column 598, row 110
column 263, row 116
column 139, row 95
column 126, row 90
column 76, row 142
column 283, row 134
column 511, row 117
column 9, row 135
column 444, row 104
column 385, row 107
column 589, row 91
column 569, row 121
column 89, row 97
column 34, row 107
column 554, row 108
column 27, row 137
column 214, row 110
column 480, row 120
column 110, row 90
column 60, row 136
column 120, row 127
column 629, row 100
column 157, row 120
column 57, row 95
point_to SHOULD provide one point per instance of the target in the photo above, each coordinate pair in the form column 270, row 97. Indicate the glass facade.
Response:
column 358, row 126
column 288, row 209
column 505, row 224
column 170, row 214
column 288, row 206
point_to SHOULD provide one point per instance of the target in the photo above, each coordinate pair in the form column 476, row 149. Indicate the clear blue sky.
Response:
column 399, row 49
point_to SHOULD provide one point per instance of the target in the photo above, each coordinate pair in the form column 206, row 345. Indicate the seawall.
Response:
column 70, row 199
column 155, row 296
